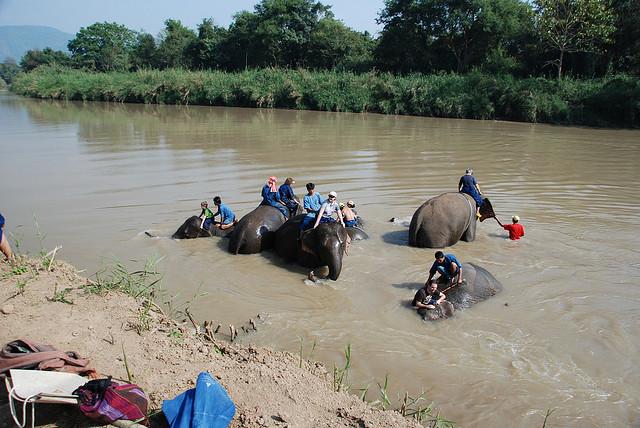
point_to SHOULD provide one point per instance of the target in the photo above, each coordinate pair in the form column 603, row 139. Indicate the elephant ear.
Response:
column 486, row 210
column 308, row 241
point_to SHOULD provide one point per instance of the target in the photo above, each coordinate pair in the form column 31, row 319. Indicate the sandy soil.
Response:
column 268, row 388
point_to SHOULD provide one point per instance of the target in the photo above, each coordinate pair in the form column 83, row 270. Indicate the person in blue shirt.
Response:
column 448, row 267
column 469, row 185
column 311, row 203
column 288, row 197
column 227, row 217
column 4, row 243
column 270, row 196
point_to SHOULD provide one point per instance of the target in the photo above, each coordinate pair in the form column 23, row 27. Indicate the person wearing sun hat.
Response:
column 328, row 209
column 270, row 196
column 516, row 230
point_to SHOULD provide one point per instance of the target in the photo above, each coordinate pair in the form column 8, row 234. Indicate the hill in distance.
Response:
column 16, row 40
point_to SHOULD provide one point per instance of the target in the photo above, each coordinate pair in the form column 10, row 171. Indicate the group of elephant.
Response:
column 440, row 222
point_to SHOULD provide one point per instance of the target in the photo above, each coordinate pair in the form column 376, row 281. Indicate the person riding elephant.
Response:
column 469, row 185
column 271, row 197
column 288, row 196
column 445, row 219
column 256, row 230
column 191, row 229
column 324, row 245
column 478, row 285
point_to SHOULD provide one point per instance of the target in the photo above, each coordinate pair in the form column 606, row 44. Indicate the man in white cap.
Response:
column 328, row 209
column 516, row 230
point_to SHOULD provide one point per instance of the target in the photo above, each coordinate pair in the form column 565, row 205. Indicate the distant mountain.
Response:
column 16, row 40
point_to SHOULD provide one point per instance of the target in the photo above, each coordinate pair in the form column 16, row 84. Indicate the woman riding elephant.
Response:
column 444, row 220
column 271, row 197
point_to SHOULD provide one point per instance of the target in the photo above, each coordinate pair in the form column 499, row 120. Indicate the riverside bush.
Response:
column 612, row 101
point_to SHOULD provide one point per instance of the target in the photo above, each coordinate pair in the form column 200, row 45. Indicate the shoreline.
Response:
column 475, row 95
column 50, row 304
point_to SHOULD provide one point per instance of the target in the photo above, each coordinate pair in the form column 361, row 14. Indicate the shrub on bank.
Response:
column 611, row 101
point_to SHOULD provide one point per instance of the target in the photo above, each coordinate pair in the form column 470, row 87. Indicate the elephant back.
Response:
column 441, row 221
column 191, row 229
column 256, row 231
column 286, row 238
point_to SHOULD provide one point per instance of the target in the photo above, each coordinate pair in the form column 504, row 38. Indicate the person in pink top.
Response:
column 516, row 230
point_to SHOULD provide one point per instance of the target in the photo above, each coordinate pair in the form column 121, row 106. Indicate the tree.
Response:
column 278, row 33
column 334, row 45
column 145, row 52
column 176, row 39
column 205, row 52
column 103, row 47
column 420, row 35
column 8, row 70
column 573, row 26
column 35, row 58
column 625, row 52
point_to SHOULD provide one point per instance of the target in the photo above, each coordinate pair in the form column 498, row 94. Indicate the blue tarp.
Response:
column 206, row 406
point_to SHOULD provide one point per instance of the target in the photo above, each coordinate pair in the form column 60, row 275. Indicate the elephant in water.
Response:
column 191, row 229
column 256, row 230
column 322, row 246
column 477, row 286
column 444, row 220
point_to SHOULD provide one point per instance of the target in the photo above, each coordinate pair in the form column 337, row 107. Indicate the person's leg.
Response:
column 207, row 223
column 224, row 226
column 306, row 222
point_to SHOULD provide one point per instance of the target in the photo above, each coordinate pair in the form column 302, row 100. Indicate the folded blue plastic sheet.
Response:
column 206, row 406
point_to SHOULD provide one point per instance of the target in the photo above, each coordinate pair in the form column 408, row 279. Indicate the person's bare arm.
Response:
column 441, row 299
column 319, row 216
column 459, row 274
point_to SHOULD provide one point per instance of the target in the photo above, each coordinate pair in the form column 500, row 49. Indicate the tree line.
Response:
column 581, row 38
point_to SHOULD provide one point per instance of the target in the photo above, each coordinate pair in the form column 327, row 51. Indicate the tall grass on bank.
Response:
column 613, row 101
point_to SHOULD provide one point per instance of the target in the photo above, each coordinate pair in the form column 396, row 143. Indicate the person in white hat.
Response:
column 516, row 230
column 328, row 209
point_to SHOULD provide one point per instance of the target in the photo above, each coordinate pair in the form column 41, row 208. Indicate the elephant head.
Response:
column 191, row 229
column 326, row 244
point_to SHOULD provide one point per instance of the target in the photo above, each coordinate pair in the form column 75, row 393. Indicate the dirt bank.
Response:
column 268, row 388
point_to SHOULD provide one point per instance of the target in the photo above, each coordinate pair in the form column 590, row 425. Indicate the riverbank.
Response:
column 613, row 102
column 53, row 305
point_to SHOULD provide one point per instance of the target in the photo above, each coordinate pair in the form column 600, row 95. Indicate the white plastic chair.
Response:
column 40, row 387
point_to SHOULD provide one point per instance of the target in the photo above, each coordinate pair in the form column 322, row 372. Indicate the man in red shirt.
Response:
column 516, row 230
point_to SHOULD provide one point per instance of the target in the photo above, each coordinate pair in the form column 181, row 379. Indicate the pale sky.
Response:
column 149, row 15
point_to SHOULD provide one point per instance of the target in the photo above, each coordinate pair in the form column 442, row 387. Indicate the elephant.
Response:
column 478, row 285
column 256, row 230
column 445, row 219
column 322, row 246
column 191, row 229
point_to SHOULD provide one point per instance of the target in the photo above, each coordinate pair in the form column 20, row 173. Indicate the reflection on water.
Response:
column 562, row 335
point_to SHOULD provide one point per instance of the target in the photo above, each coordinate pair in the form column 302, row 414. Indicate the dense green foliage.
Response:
column 601, row 102
column 8, row 70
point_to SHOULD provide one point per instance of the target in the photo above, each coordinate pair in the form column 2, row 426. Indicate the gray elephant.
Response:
column 445, row 219
column 322, row 246
column 190, row 229
column 256, row 230
column 478, row 285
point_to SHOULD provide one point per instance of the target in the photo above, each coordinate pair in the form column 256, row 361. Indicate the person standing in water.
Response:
column 516, row 230
column 4, row 243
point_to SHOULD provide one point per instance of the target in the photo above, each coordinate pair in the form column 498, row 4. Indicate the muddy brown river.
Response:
column 564, row 333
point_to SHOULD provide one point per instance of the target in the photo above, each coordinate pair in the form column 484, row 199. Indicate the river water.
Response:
column 562, row 335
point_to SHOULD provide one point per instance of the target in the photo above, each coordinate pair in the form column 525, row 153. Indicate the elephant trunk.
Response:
column 332, row 257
